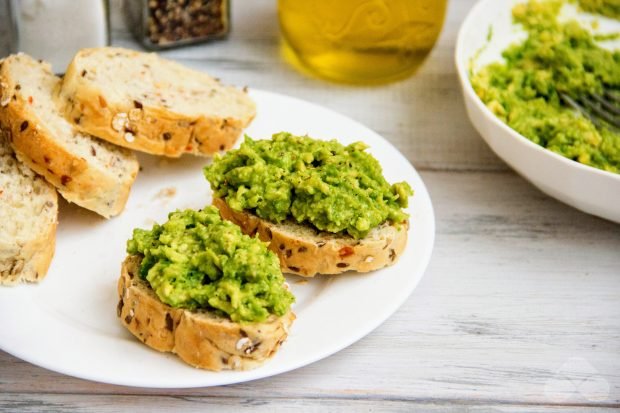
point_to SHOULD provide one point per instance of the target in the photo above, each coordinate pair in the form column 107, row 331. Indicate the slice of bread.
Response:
column 305, row 251
column 141, row 101
column 200, row 338
column 28, row 217
column 87, row 171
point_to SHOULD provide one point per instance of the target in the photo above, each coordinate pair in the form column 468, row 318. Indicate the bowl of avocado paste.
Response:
column 516, row 60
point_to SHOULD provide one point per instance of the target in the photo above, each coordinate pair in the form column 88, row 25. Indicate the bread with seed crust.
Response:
column 150, row 104
column 87, row 171
column 28, row 218
column 200, row 338
column 304, row 251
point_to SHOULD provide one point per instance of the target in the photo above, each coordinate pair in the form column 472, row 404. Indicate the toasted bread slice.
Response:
column 141, row 101
column 200, row 338
column 307, row 252
column 28, row 217
column 87, row 171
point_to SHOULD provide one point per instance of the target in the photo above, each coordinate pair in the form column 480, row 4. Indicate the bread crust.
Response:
column 200, row 338
column 307, row 252
column 30, row 261
column 151, row 129
column 27, row 260
column 71, row 174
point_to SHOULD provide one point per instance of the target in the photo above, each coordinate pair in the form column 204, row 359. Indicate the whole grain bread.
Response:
column 87, row 171
column 144, row 102
column 200, row 338
column 304, row 251
column 28, row 218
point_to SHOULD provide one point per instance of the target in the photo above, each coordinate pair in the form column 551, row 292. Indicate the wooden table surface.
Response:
column 519, row 309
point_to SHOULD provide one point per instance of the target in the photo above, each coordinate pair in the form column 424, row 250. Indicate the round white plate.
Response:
column 586, row 188
column 68, row 323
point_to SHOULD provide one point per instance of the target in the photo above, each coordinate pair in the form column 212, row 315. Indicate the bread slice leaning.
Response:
column 305, row 251
column 87, row 171
column 28, row 218
column 200, row 338
column 141, row 101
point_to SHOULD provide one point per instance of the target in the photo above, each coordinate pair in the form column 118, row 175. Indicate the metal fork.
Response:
column 599, row 108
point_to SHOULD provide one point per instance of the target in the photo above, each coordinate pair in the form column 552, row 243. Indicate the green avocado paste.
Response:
column 610, row 8
column 335, row 188
column 197, row 260
column 556, row 57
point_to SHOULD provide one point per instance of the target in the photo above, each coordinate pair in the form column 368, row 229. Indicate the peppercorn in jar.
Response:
column 160, row 24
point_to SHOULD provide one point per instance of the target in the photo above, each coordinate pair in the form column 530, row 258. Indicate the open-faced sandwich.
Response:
column 324, row 208
column 198, row 287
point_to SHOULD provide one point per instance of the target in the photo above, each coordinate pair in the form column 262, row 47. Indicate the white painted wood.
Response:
column 136, row 404
column 519, row 306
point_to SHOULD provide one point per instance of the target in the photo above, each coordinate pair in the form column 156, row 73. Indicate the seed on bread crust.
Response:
column 243, row 342
column 169, row 322
column 5, row 94
column 345, row 251
column 119, row 121
column 102, row 102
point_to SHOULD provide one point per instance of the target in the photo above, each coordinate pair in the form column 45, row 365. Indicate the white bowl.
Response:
column 586, row 188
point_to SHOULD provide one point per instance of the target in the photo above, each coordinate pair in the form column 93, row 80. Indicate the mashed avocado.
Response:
column 610, row 8
column 197, row 260
column 333, row 187
column 556, row 57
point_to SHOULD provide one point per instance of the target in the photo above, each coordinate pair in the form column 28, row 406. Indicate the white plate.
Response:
column 68, row 322
column 586, row 188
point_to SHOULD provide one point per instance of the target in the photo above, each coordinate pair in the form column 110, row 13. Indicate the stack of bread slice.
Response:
column 77, row 132
column 87, row 171
column 28, row 216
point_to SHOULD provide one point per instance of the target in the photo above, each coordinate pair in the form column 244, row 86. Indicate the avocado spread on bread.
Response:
column 197, row 260
column 335, row 188
column 610, row 8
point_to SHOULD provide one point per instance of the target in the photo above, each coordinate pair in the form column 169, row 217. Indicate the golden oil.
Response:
column 360, row 41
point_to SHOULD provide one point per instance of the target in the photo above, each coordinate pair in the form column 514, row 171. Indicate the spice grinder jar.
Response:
column 162, row 24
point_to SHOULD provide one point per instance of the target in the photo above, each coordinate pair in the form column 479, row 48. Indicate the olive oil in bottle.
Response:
column 360, row 41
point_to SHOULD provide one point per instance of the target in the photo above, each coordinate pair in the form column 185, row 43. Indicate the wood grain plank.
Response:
column 519, row 305
column 27, row 403
column 423, row 116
